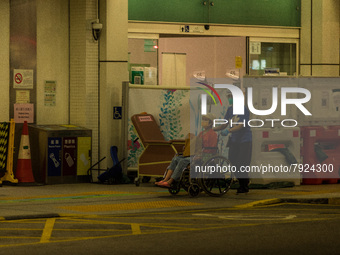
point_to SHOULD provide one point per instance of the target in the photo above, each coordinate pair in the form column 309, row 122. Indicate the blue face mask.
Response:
column 230, row 100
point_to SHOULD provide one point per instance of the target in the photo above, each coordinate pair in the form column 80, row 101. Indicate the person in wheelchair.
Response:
column 205, row 144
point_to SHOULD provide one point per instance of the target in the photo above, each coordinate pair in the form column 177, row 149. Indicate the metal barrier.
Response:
column 7, row 131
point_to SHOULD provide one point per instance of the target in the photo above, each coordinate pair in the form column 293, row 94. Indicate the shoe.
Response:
column 242, row 190
column 156, row 183
column 164, row 185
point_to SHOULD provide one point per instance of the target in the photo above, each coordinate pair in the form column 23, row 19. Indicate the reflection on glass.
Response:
column 255, row 65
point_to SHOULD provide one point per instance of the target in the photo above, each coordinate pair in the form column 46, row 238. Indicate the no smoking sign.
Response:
column 23, row 79
column 18, row 78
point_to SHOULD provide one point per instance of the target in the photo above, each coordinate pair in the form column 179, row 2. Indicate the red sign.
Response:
column 144, row 118
column 18, row 78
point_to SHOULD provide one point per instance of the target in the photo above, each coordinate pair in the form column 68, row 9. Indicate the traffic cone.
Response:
column 24, row 165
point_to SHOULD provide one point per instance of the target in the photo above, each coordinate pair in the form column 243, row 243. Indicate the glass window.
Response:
column 143, row 61
column 272, row 58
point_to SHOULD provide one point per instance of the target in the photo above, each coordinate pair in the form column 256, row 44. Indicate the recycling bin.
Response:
column 60, row 153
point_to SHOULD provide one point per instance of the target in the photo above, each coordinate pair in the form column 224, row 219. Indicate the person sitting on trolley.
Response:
column 207, row 139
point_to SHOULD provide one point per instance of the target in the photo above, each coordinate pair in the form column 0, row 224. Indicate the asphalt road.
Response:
column 275, row 229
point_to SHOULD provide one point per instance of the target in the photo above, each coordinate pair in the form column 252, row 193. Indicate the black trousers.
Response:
column 240, row 156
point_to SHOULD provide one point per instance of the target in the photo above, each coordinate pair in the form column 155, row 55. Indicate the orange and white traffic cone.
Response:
column 24, row 171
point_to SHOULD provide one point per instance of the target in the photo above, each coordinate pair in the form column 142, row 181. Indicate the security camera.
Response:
column 97, row 26
column 96, row 29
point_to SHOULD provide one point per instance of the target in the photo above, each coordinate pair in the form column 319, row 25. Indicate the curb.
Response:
column 306, row 200
column 329, row 201
column 334, row 201
column 46, row 216
column 32, row 216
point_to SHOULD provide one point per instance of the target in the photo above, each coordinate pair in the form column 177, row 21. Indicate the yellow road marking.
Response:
column 104, row 192
column 259, row 203
column 156, row 225
column 135, row 229
column 161, row 229
column 47, row 232
column 162, row 232
column 150, row 218
column 19, row 237
column 129, row 206
column 21, row 229
column 262, row 207
column 89, row 221
column 75, row 230
column 90, row 230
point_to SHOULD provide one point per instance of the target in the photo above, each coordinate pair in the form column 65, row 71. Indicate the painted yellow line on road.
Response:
column 259, row 203
column 135, row 229
column 19, row 237
column 47, row 232
column 129, row 206
column 104, row 192
column 20, row 229
column 161, row 230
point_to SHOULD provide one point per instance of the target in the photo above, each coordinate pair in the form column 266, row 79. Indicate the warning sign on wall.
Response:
column 238, row 62
column 23, row 112
column 23, row 79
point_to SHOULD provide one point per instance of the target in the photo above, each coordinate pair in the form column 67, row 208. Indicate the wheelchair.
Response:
column 215, row 185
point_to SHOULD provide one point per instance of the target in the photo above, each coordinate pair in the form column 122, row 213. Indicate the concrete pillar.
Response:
column 4, row 61
column 319, row 38
column 84, row 88
column 113, row 61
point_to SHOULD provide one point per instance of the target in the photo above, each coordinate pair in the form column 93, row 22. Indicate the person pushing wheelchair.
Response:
column 205, row 143
column 239, row 143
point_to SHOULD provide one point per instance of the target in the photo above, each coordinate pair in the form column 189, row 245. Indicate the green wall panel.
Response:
column 169, row 11
column 256, row 12
column 243, row 12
